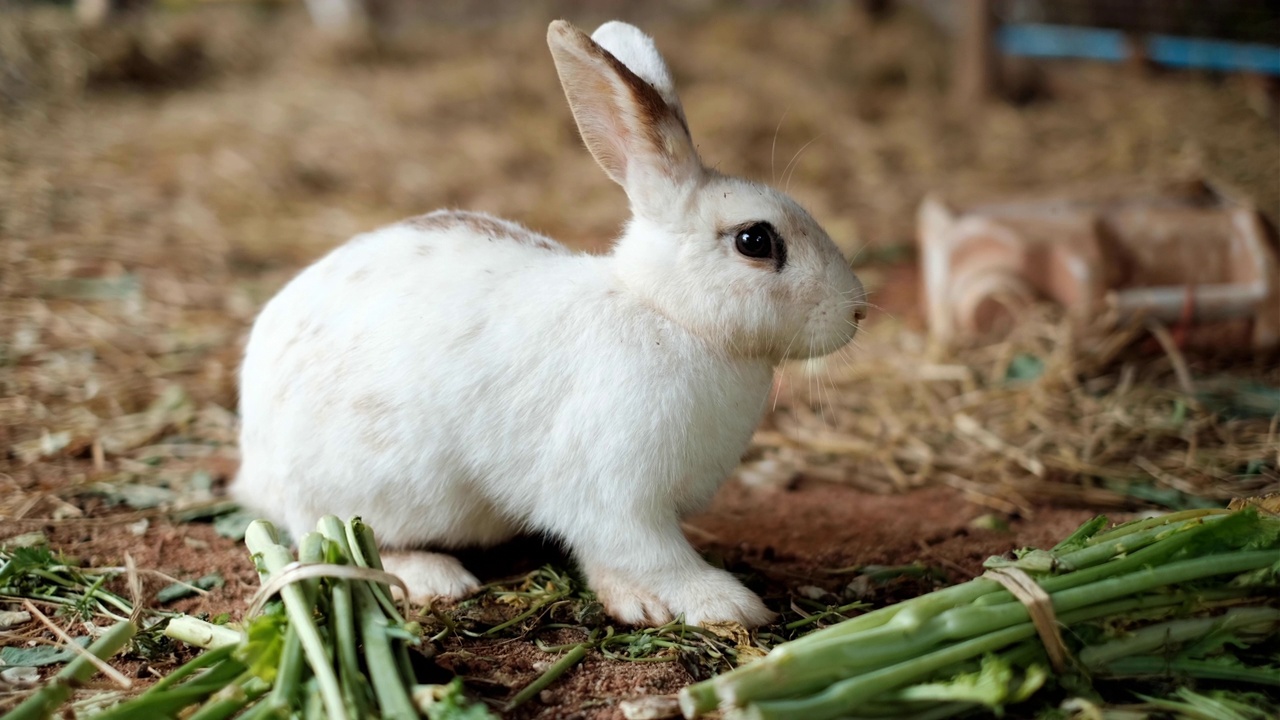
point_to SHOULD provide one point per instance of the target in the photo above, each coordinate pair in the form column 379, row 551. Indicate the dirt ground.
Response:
column 145, row 217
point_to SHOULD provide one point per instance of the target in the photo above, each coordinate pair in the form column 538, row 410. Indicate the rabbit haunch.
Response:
column 457, row 379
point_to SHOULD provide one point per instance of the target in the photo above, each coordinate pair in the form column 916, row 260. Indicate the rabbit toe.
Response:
column 719, row 597
column 430, row 576
column 629, row 602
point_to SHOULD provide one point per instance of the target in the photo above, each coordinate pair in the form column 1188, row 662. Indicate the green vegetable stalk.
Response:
column 42, row 704
column 334, row 646
column 1206, row 574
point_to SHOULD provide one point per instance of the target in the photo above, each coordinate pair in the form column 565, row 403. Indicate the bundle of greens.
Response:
column 333, row 645
column 1158, row 597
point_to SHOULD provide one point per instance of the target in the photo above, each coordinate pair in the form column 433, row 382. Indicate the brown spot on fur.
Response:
column 358, row 275
column 376, row 440
column 372, row 406
column 468, row 336
column 479, row 224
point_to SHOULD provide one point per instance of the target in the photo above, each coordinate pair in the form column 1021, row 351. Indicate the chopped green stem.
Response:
column 233, row 698
column 845, row 696
column 364, row 550
column 199, row 633
column 1083, row 534
column 524, row 615
column 1151, row 578
column 260, row 711
column 205, row 659
column 94, row 590
column 342, row 619
column 1099, row 553
column 56, row 692
column 824, row 614
column 558, row 668
column 1148, row 639
column 912, row 611
column 1157, row 665
column 1157, row 521
column 384, row 669
column 917, row 711
column 786, row 671
column 289, row 676
column 312, row 705
column 699, row 699
column 169, row 701
column 261, row 540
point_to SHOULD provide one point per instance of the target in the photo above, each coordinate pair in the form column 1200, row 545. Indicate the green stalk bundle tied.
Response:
column 332, row 644
column 1179, row 587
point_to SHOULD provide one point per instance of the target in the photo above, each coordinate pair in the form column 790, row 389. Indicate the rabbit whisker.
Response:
column 786, row 179
column 773, row 169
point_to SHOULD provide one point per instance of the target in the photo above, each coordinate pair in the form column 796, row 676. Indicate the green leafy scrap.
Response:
column 265, row 643
column 448, row 702
column 177, row 591
column 1213, row 705
column 40, row 655
column 995, row 684
column 1024, row 368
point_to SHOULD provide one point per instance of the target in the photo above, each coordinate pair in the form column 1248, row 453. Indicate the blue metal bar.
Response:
column 1213, row 54
column 1059, row 41
column 1064, row 41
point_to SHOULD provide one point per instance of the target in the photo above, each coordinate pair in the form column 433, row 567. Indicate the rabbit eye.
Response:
column 756, row 241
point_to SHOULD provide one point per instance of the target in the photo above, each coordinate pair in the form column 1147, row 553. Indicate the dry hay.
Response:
column 141, row 230
column 1054, row 414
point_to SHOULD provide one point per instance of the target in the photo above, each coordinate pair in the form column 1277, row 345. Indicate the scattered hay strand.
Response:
column 1051, row 415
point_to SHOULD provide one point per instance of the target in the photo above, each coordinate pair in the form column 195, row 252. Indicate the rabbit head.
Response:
column 736, row 263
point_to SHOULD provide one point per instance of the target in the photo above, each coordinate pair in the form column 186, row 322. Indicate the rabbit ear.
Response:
column 636, row 50
column 626, row 108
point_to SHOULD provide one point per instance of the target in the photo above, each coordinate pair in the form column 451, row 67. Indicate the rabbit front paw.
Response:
column 430, row 575
column 712, row 596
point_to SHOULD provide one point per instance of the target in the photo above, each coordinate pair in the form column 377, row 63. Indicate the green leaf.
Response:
column 22, row 561
column 177, row 591
column 1241, row 399
column 40, row 655
column 264, row 645
column 138, row 496
column 1024, row 368
column 121, row 287
column 1029, row 560
column 1208, row 706
column 229, row 519
column 447, row 702
column 994, row 685
column 1163, row 496
column 1243, row 530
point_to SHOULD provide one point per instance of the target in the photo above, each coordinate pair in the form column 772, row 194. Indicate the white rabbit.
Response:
column 457, row 379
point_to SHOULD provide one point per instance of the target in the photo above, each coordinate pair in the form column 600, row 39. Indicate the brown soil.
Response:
column 782, row 538
column 824, row 526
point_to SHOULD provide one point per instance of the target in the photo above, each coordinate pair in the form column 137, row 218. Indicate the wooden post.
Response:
column 975, row 77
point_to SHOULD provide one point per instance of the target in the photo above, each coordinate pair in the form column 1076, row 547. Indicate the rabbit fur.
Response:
column 457, row 379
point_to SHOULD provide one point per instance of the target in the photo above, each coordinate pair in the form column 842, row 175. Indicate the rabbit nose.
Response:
column 859, row 312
